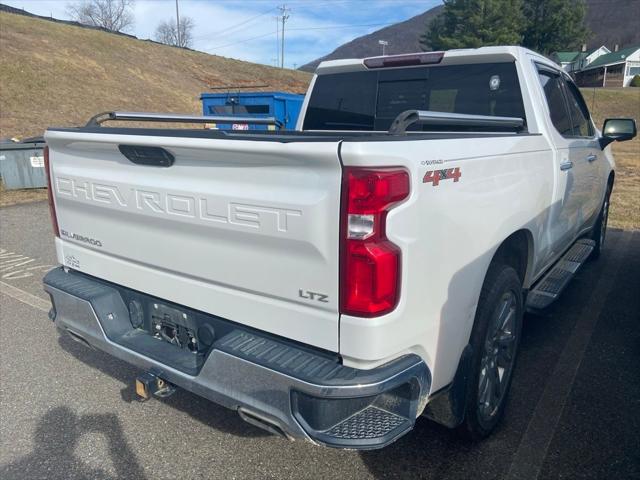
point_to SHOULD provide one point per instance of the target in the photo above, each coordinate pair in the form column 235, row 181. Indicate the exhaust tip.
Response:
column 79, row 338
column 261, row 422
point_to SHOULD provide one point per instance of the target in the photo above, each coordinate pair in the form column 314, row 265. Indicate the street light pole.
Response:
column 177, row 24
column 384, row 43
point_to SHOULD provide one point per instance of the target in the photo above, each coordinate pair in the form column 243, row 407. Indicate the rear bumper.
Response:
column 276, row 384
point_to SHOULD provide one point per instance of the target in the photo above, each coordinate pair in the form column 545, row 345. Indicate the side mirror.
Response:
column 617, row 130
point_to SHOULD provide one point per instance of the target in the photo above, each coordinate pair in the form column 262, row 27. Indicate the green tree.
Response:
column 554, row 25
column 475, row 23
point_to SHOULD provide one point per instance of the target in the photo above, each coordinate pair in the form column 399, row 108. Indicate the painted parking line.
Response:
column 532, row 451
column 14, row 265
column 24, row 297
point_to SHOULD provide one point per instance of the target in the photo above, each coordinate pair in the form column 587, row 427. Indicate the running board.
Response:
column 547, row 290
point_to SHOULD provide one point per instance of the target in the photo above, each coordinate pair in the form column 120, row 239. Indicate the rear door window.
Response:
column 580, row 117
column 558, row 110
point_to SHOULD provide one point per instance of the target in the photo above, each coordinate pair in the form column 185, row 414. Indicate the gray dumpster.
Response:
column 22, row 164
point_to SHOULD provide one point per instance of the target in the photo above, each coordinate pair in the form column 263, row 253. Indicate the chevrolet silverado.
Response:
column 334, row 282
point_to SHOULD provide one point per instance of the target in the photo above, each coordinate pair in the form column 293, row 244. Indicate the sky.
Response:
column 246, row 29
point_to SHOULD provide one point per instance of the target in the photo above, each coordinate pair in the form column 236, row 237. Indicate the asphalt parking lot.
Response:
column 68, row 412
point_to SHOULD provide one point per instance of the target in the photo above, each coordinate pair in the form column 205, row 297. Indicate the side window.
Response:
column 579, row 113
column 552, row 86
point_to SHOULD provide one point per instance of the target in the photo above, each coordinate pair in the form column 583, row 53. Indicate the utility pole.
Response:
column 284, row 16
column 178, row 24
column 277, row 17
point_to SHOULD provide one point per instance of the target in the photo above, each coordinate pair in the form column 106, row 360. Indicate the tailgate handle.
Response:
column 152, row 156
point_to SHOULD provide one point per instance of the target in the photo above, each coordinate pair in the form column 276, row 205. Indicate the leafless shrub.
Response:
column 168, row 33
column 114, row 15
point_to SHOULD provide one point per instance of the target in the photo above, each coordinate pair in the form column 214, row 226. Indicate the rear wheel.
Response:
column 600, row 228
column 495, row 339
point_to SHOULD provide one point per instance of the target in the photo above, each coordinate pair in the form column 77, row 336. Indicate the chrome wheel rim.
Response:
column 498, row 356
column 605, row 219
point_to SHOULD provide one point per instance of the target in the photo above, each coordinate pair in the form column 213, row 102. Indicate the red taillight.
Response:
column 52, row 205
column 370, row 263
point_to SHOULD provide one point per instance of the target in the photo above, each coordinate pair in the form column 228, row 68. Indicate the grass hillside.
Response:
column 53, row 74
column 620, row 102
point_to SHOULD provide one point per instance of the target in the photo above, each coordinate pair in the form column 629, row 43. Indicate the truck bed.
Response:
column 285, row 136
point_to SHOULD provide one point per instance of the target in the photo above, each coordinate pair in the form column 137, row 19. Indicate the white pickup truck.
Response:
column 335, row 282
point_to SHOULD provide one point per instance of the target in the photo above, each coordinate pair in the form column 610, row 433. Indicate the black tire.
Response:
column 482, row 412
column 599, row 232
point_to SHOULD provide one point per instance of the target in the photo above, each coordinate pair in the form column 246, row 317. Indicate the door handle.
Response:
column 592, row 157
column 566, row 165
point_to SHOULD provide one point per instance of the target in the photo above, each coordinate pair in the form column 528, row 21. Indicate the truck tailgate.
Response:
column 243, row 229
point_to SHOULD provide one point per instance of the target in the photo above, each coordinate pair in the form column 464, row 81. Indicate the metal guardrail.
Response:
column 100, row 118
column 409, row 117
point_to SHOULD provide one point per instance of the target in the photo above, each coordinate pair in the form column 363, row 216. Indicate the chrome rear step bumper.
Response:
column 273, row 383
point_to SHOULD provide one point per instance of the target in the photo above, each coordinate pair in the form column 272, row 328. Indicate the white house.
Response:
column 615, row 69
column 574, row 61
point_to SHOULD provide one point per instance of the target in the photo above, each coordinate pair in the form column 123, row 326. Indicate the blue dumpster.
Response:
column 285, row 107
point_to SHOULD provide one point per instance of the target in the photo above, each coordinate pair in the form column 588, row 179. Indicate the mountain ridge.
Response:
column 604, row 19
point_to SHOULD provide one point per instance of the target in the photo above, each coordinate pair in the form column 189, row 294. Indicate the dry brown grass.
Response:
column 60, row 75
column 14, row 197
column 625, row 200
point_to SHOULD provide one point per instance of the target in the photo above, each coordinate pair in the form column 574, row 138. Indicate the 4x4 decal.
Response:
column 434, row 176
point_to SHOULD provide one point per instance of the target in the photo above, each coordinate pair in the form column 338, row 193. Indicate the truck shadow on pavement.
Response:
column 58, row 433
column 433, row 451
column 200, row 409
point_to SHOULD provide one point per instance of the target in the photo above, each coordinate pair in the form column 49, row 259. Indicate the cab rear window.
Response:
column 370, row 100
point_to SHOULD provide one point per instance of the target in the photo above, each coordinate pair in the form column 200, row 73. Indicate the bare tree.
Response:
column 168, row 33
column 114, row 15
